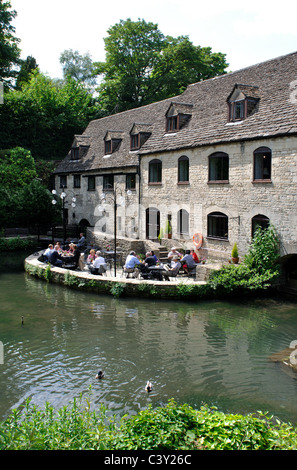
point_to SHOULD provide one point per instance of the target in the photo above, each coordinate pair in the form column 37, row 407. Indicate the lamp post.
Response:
column 113, row 197
column 63, row 196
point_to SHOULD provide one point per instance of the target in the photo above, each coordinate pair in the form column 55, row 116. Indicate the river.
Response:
column 55, row 339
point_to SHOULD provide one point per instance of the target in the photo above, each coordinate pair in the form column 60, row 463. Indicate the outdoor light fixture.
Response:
column 121, row 202
column 63, row 196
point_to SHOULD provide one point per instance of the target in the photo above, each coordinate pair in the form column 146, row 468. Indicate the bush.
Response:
column 172, row 427
column 259, row 270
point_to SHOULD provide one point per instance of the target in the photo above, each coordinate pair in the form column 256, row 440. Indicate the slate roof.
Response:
column 273, row 82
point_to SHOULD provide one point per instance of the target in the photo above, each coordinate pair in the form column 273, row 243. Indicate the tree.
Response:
column 43, row 117
column 77, row 66
column 27, row 67
column 143, row 66
column 24, row 200
column 9, row 50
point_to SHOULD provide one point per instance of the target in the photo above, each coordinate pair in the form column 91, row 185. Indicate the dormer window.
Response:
column 112, row 141
column 74, row 153
column 139, row 135
column 80, row 147
column 172, row 124
column 108, row 147
column 135, row 141
column 243, row 102
column 178, row 116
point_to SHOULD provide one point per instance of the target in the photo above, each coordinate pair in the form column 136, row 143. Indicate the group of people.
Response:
column 59, row 257
column 96, row 262
column 176, row 260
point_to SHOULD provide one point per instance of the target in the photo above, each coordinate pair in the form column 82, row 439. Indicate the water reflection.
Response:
column 213, row 352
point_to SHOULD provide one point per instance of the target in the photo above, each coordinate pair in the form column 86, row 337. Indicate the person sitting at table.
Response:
column 154, row 256
column 48, row 251
column 92, row 256
column 148, row 262
column 55, row 258
column 174, row 268
column 188, row 262
column 194, row 255
column 173, row 253
column 132, row 264
column 71, row 249
column 99, row 265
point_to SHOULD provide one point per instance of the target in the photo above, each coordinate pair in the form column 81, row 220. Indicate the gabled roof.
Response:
column 273, row 82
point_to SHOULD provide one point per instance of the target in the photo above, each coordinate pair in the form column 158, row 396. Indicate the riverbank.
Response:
column 119, row 285
column 220, row 282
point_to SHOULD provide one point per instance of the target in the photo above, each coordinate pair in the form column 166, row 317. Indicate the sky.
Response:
column 247, row 32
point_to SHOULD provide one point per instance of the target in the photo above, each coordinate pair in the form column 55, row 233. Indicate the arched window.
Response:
column 218, row 167
column 217, row 225
column 155, row 171
column 262, row 164
column 183, row 169
column 183, row 222
column 259, row 220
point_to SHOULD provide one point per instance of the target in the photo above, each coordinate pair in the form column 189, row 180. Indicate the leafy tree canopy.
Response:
column 9, row 50
column 77, row 66
column 142, row 65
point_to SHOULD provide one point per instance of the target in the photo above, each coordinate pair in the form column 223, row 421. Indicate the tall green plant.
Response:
column 264, row 250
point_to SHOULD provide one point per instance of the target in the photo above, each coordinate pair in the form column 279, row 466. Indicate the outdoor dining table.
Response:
column 156, row 272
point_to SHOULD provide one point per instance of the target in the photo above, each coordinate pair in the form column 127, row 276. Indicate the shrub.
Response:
column 171, row 427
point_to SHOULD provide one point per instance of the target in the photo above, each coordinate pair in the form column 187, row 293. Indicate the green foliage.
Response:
column 143, row 66
column 9, row 50
column 264, row 250
column 117, row 289
column 24, row 200
column 234, row 252
column 17, row 168
column 16, row 243
column 171, row 427
column 43, row 116
column 259, row 270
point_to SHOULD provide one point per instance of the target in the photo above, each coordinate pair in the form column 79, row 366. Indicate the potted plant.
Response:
column 234, row 254
column 168, row 229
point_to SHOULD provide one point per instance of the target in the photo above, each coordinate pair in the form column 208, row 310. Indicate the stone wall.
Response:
column 240, row 199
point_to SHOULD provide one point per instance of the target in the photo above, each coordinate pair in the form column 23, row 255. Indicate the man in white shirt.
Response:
column 99, row 265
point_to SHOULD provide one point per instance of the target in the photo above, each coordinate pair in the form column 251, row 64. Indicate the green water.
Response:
column 210, row 352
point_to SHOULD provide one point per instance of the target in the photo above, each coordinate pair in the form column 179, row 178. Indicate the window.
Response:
column 259, row 221
column 172, row 123
column 183, row 222
column 237, row 111
column 131, row 181
column 63, row 181
column 243, row 102
column 262, row 164
column 108, row 147
column 183, row 169
column 134, row 141
column 217, row 225
column 76, row 181
column 218, row 167
column 108, row 182
column 75, row 153
column 155, row 171
column 91, row 183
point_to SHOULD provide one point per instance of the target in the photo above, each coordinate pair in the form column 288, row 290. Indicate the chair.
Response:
column 132, row 271
column 192, row 272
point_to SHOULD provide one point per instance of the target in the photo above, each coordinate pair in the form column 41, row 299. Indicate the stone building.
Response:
column 217, row 160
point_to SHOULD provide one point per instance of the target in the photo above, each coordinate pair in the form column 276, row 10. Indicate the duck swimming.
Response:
column 148, row 386
column 100, row 374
